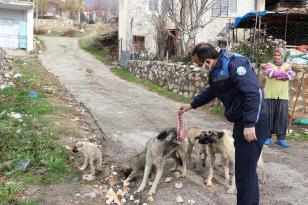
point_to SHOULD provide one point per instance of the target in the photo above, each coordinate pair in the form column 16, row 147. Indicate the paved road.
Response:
column 129, row 114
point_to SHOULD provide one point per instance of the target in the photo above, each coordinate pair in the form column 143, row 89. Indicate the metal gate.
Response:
column 124, row 58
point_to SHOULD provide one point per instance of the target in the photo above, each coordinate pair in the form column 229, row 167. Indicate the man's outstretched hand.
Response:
column 184, row 108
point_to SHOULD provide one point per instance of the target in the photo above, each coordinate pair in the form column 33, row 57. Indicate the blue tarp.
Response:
column 247, row 16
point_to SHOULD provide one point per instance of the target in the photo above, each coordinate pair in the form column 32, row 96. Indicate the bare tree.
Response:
column 160, row 22
column 187, row 16
column 99, row 10
column 74, row 7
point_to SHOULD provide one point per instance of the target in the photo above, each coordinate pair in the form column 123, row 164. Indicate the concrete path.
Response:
column 129, row 114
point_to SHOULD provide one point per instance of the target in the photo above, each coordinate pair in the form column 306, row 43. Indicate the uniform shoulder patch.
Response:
column 241, row 70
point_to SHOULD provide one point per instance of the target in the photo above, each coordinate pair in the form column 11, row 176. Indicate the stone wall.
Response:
column 190, row 80
column 3, row 62
column 181, row 79
column 54, row 23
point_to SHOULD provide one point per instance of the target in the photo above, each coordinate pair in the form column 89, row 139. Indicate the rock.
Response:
column 6, row 164
column 178, row 185
column 100, row 187
column 2, row 87
column 88, row 177
column 150, row 199
column 126, row 189
column 137, row 201
column 78, row 195
column 75, row 179
column 177, row 174
column 120, row 193
column 92, row 195
column 131, row 197
column 17, row 75
column 179, row 199
column 123, row 200
column 15, row 115
column 112, row 181
column 144, row 204
column 68, row 147
column 168, row 179
column 196, row 69
column 6, row 75
column 191, row 202
column 112, row 197
column 114, row 173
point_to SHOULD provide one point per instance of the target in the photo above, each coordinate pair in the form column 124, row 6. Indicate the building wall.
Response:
column 16, row 15
column 29, row 29
column 135, row 18
column 9, row 32
column 210, row 31
column 138, row 13
column 12, row 31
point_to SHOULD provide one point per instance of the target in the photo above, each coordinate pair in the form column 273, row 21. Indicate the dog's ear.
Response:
column 202, row 134
column 163, row 135
column 220, row 135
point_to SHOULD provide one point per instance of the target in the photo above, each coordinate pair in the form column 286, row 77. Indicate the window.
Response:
column 138, row 44
column 224, row 8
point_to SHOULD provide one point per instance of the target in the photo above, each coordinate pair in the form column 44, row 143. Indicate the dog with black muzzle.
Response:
column 92, row 155
column 158, row 150
column 133, row 166
column 222, row 142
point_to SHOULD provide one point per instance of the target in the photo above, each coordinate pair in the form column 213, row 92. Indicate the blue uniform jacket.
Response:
column 234, row 82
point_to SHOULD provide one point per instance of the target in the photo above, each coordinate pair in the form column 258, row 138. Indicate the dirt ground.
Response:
column 122, row 116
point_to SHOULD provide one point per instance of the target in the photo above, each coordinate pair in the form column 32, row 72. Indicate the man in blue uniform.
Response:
column 233, row 81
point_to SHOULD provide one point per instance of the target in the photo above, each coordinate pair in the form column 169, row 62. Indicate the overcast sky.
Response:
column 91, row 3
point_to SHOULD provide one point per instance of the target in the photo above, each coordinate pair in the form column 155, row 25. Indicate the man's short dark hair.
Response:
column 205, row 51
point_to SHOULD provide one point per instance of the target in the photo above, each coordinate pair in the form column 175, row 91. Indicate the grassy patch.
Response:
column 7, row 192
column 298, row 135
column 124, row 74
column 29, row 201
column 86, row 44
column 217, row 110
column 28, row 137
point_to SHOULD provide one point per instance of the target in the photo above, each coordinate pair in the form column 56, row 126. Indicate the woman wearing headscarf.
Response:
column 276, row 96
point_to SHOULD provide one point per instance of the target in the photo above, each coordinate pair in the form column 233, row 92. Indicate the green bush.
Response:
column 266, row 49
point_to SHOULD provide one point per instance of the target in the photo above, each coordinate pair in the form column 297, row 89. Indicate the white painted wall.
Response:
column 9, row 34
column 30, row 29
column 9, row 27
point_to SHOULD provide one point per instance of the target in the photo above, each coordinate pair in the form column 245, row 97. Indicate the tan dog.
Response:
column 193, row 134
column 223, row 143
column 92, row 155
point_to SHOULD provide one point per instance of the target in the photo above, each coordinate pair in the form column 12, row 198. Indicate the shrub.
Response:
column 39, row 31
column 266, row 49
column 69, row 32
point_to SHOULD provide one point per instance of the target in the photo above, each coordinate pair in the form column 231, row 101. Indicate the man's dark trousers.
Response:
column 246, row 158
